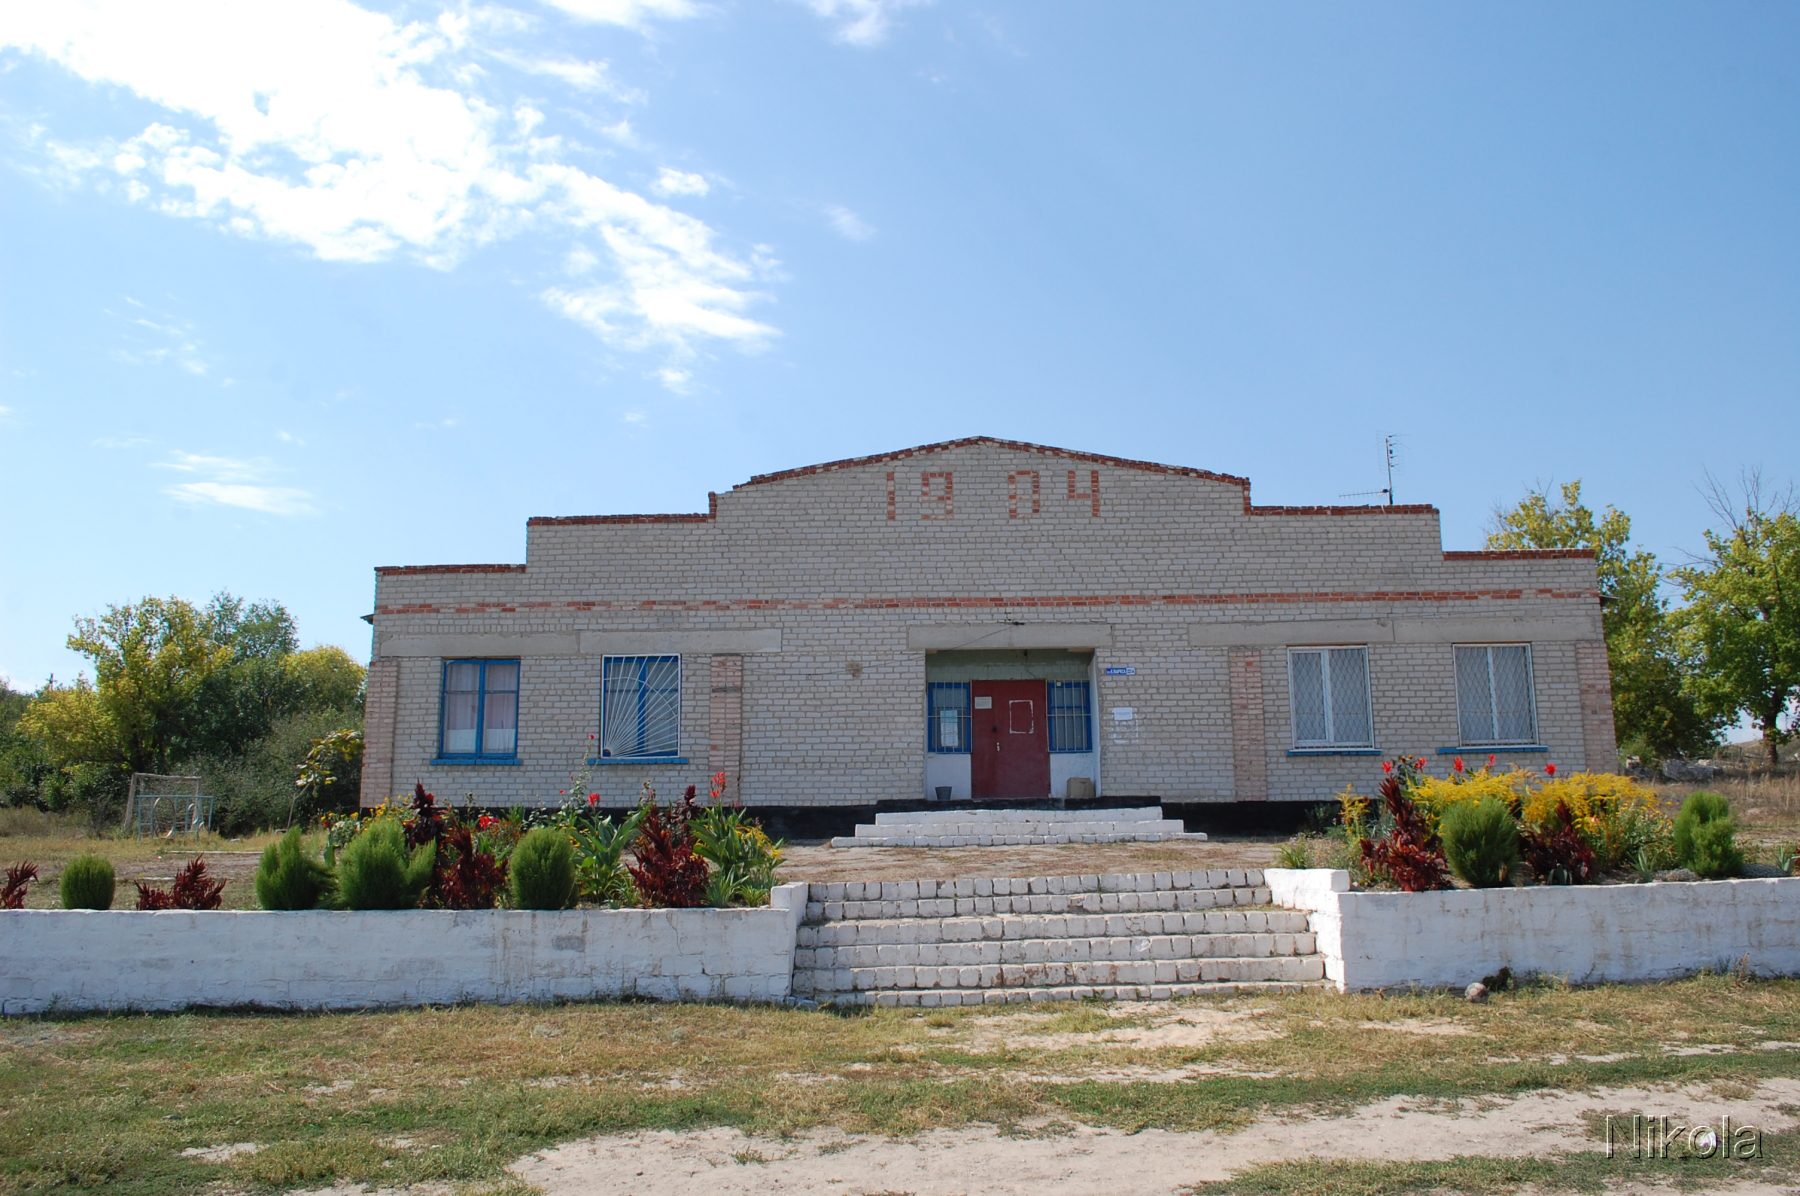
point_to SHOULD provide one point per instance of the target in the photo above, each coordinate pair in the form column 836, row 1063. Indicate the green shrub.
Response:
column 87, row 883
column 543, row 870
column 1481, row 841
column 290, row 877
column 1296, row 853
column 375, row 871
column 744, row 859
column 1706, row 836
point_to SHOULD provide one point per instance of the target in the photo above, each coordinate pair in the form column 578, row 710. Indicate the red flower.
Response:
column 485, row 821
column 1490, row 759
column 593, row 799
column 1549, row 770
column 1419, row 764
column 1387, row 766
column 1457, row 764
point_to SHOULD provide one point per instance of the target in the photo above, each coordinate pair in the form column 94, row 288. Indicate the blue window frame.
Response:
column 947, row 718
column 1071, row 720
column 478, row 710
column 640, row 707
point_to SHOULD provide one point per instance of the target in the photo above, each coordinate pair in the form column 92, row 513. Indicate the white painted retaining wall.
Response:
column 117, row 959
column 1586, row 933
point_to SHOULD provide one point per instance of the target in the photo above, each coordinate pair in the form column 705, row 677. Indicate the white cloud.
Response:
column 155, row 337
column 632, row 14
column 363, row 138
column 287, row 437
column 580, row 74
column 675, row 379
column 848, row 224
column 670, row 181
column 439, row 425
column 861, row 22
column 5, row 411
column 634, row 419
column 234, row 482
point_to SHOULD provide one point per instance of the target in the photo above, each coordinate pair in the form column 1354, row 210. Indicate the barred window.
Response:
column 1071, row 722
column 640, row 707
column 1328, row 692
column 947, row 718
column 1494, row 703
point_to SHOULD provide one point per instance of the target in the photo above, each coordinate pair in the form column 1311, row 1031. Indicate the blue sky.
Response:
column 287, row 293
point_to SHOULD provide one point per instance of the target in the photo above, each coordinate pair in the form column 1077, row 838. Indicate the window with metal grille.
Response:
column 478, row 715
column 1328, row 691
column 947, row 718
column 640, row 707
column 1071, row 726
column 1494, row 703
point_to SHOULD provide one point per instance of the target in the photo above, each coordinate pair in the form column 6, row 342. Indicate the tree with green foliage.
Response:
column 1741, row 624
column 1654, row 710
column 152, row 660
column 223, row 691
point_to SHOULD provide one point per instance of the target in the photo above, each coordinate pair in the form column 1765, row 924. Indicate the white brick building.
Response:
column 1003, row 619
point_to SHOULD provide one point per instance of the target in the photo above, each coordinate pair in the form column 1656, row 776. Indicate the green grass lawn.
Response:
column 456, row 1094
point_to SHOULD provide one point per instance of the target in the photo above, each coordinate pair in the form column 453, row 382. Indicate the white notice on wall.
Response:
column 1124, row 714
column 948, row 724
column 984, row 703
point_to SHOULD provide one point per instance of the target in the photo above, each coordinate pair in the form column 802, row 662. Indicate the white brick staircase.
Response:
column 1147, row 936
column 1016, row 828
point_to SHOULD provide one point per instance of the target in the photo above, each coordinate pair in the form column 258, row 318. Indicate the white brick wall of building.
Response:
column 803, row 606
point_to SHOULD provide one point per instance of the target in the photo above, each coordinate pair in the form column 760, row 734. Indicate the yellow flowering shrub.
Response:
column 1435, row 795
column 1614, row 813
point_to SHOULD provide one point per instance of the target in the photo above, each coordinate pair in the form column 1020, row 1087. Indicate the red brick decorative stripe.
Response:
column 406, row 570
column 1522, row 554
column 1020, row 446
column 993, row 602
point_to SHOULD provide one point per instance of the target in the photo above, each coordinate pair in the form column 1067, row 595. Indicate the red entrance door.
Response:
column 1009, row 739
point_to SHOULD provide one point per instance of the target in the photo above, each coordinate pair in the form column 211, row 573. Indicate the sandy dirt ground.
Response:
column 816, row 862
column 1151, row 1163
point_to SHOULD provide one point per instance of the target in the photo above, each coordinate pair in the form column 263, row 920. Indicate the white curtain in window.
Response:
column 1493, row 694
column 500, row 715
column 462, row 688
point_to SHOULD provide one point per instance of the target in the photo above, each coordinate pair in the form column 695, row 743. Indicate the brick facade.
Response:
column 806, row 604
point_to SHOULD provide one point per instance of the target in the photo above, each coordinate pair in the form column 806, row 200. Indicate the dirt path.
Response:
column 1151, row 1163
column 820, row 863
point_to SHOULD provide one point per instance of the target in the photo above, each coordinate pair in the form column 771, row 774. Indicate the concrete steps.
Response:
column 965, row 827
column 1141, row 936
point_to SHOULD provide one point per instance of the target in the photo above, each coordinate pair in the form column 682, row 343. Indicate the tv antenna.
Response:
column 1390, row 445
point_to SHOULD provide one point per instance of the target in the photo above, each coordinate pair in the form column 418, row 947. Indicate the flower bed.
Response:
column 114, row 960
column 1587, row 934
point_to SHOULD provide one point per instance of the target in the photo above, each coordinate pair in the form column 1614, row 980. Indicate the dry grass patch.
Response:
column 51, row 840
column 452, row 1095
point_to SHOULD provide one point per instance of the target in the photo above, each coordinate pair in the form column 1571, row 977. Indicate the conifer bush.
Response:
column 1706, row 836
column 375, row 871
column 543, row 871
column 87, row 883
column 289, row 877
column 1481, row 841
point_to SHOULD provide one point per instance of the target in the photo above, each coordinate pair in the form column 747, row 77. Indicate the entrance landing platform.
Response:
column 995, row 826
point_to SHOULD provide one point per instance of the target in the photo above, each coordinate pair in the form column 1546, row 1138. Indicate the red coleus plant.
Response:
column 667, row 871
column 465, row 877
column 193, row 889
column 1557, row 853
column 1410, row 854
column 426, row 822
column 18, row 879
